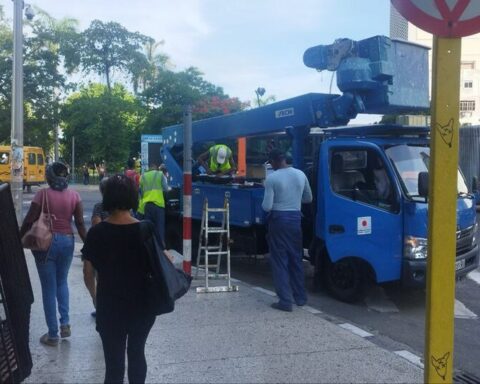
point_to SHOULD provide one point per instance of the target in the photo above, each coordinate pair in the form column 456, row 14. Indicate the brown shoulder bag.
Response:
column 39, row 236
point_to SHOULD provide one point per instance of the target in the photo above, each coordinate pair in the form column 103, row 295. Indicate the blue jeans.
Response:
column 156, row 215
column 53, row 266
column 286, row 253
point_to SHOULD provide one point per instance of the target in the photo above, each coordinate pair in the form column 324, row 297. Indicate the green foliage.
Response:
column 106, row 120
column 170, row 91
column 104, row 123
column 145, row 72
column 105, row 47
column 44, row 81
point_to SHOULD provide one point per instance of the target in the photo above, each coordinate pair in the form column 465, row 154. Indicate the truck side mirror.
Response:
column 423, row 184
column 474, row 184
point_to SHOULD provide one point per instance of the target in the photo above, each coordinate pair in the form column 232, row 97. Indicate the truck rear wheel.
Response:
column 345, row 279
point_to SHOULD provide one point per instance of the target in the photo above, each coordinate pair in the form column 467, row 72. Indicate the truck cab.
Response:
column 371, row 216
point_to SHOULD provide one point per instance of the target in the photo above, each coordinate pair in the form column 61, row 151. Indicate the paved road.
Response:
column 393, row 314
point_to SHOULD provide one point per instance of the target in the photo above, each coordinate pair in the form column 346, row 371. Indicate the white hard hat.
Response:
column 221, row 155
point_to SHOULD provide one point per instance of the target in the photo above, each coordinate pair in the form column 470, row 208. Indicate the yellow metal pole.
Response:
column 439, row 326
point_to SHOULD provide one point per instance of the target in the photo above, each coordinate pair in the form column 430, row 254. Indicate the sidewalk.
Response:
column 219, row 338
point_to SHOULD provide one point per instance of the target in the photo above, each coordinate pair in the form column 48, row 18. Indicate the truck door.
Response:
column 362, row 211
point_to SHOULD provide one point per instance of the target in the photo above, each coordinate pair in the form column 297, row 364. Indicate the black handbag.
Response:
column 166, row 283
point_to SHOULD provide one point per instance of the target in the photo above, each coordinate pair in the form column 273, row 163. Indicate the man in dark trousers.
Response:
column 152, row 204
column 285, row 191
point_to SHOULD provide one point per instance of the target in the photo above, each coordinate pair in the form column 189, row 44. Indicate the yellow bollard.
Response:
column 439, row 326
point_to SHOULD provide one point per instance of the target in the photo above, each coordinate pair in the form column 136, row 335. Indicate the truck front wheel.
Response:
column 345, row 279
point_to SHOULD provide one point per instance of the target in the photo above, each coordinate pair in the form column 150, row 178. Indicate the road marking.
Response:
column 475, row 276
column 311, row 310
column 266, row 291
column 411, row 357
column 462, row 312
column 378, row 301
column 354, row 329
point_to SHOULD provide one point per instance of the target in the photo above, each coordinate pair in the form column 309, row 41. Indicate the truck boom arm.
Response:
column 376, row 75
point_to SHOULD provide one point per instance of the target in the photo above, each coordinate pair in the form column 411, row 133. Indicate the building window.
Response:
column 467, row 105
column 467, row 65
column 468, row 84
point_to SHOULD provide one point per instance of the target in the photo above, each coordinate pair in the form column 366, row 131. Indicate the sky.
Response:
column 239, row 45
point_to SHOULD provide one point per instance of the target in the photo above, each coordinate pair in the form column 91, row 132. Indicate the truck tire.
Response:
column 345, row 279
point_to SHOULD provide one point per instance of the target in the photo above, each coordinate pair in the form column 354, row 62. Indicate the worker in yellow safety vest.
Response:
column 151, row 204
column 220, row 160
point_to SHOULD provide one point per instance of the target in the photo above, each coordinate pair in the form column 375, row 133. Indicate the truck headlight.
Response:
column 415, row 248
column 474, row 237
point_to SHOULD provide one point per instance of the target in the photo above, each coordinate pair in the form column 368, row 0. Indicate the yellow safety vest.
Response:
column 151, row 188
column 213, row 165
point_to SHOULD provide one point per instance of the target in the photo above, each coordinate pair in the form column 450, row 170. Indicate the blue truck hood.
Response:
column 416, row 216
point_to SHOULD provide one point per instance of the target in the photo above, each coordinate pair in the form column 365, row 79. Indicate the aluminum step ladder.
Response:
column 221, row 248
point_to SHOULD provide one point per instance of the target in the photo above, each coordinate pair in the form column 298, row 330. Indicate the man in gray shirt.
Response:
column 285, row 191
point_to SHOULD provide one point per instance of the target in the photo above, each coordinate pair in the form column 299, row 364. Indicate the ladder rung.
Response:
column 216, row 230
column 213, row 253
column 216, row 210
column 210, row 247
column 216, row 275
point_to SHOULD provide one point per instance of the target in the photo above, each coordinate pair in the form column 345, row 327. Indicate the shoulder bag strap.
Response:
column 45, row 198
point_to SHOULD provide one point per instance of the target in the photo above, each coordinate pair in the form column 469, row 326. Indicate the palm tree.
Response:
column 147, row 71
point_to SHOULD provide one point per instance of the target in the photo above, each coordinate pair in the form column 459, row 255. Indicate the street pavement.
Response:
column 393, row 315
column 220, row 338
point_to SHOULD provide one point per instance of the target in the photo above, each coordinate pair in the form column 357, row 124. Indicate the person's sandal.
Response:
column 65, row 331
column 50, row 341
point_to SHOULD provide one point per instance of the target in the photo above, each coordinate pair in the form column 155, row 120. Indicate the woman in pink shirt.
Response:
column 53, row 265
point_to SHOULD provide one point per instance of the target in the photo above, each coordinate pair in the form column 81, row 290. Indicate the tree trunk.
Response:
column 107, row 76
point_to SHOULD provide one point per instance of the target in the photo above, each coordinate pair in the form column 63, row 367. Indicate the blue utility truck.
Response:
column 368, row 221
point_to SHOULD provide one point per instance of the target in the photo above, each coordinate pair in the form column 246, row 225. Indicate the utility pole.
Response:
column 56, row 145
column 17, row 111
column 73, row 159
column 187, row 189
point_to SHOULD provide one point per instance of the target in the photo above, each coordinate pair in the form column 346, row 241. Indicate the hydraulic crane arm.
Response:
column 375, row 75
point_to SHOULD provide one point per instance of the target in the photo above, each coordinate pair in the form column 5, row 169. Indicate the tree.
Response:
column 212, row 106
column 145, row 72
column 44, row 80
column 105, row 47
column 172, row 90
column 260, row 101
column 104, row 123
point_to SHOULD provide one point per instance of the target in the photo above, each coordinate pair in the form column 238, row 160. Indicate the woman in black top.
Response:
column 115, row 250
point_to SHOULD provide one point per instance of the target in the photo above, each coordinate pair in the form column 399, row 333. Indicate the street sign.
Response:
column 444, row 18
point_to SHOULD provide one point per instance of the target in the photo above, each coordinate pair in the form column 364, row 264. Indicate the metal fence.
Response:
column 16, row 296
column 469, row 156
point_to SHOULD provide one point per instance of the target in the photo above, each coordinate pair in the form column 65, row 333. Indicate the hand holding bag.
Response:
column 166, row 283
column 39, row 236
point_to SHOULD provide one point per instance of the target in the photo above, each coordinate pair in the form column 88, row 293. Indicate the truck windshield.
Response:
column 409, row 161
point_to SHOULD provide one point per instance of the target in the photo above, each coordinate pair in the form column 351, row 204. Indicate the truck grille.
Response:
column 464, row 240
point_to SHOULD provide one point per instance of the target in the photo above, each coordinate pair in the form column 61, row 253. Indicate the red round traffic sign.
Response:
column 445, row 18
